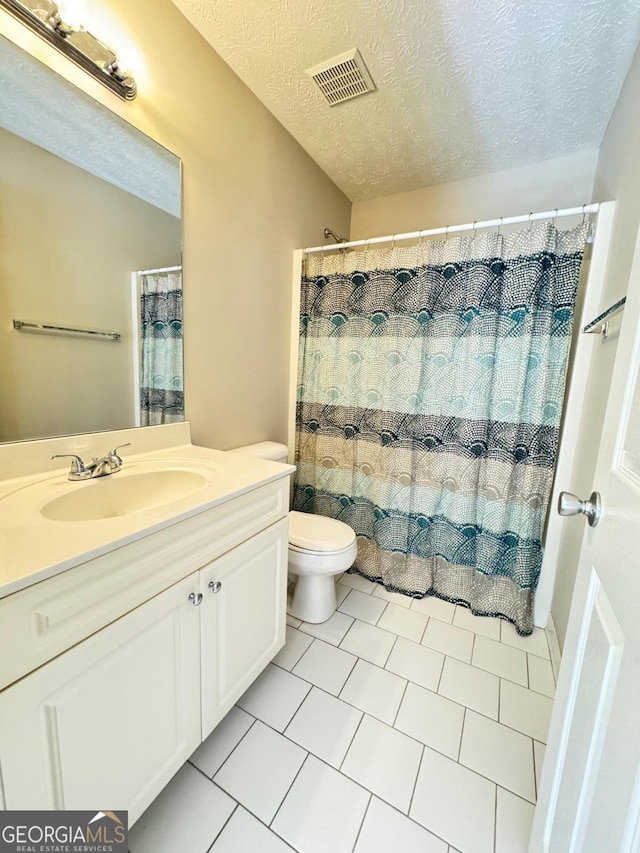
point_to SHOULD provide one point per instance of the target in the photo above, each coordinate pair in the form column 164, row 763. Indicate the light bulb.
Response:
column 77, row 13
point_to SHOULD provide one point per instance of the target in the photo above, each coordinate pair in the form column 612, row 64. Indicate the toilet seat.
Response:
column 319, row 534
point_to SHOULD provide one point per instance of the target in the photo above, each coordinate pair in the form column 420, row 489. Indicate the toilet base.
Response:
column 314, row 598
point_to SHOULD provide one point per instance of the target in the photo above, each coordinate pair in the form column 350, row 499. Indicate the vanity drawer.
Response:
column 40, row 622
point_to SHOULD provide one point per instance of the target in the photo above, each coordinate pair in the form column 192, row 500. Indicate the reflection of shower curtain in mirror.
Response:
column 430, row 392
column 161, row 391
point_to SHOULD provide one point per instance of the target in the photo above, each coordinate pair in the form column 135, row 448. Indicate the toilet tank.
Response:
column 264, row 450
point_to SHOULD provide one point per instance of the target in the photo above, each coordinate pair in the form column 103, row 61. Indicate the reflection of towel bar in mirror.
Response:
column 70, row 331
column 600, row 326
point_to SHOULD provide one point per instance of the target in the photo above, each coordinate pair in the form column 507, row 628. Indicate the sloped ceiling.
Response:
column 465, row 87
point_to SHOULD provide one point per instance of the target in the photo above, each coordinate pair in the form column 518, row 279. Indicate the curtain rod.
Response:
column 158, row 271
column 452, row 229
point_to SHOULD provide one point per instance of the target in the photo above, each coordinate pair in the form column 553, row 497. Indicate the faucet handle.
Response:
column 77, row 465
column 114, row 451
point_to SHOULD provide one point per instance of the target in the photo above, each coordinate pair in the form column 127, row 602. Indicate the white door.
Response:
column 243, row 618
column 589, row 799
column 108, row 723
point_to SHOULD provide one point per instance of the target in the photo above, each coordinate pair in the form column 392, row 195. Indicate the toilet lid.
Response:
column 317, row 533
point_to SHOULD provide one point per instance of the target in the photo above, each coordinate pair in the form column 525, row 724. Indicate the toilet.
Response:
column 319, row 549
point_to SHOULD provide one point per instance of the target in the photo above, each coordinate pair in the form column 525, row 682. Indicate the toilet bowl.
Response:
column 319, row 549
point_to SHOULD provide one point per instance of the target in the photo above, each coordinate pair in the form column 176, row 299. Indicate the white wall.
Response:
column 251, row 195
column 563, row 182
column 617, row 178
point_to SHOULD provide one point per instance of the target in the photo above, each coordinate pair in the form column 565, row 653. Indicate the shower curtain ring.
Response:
column 474, row 229
column 393, row 243
column 446, row 233
column 555, row 217
column 584, row 213
column 500, row 226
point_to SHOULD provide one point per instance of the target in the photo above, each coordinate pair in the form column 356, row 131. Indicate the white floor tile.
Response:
column 486, row 626
column 333, row 630
column 538, row 758
column 324, row 726
column 215, row 750
column 325, row 666
column 431, row 719
column 499, row 753
column 448, row 639
column 375, row 691
column 358, row 582
column 368, row 642
column 525, row 710
column 384, row 761
column 417, row 663
column 291, row 620
column 245, row 834
column 455, row 803
column 294, row 647
column 403, row 622
column 260, row 771
column 541, row 676
column 435, row 607
column 535, row 643
column 187, row 815
column 274, row 697
column 342, row 592
column 393, row 597
column 322, row 812
column 362, row 606
column 514, row 817
column 385, row 829
column 470, row 686
column 500, row 659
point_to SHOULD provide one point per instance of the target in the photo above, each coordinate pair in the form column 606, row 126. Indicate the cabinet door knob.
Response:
column 215, row 586
column 196, row 599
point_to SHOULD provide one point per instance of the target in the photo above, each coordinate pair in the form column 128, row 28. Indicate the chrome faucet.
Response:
column 109, row 464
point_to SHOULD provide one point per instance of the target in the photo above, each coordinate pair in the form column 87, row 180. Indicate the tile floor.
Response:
column 397, row 725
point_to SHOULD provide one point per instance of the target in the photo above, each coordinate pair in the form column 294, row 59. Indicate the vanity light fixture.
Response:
column 83, row 48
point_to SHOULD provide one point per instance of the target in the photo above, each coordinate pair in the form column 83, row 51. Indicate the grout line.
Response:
column 444, row 660
column 344, row 757
column 495, row 818
column 395, row 716
column 306, row 758
column 528, row 673
column 535, row 775
column 224, row 826
column 393, row 645
column 255, row 720
column 364, row 817
column 415, row 783
column 464, row 720
column 424, row 630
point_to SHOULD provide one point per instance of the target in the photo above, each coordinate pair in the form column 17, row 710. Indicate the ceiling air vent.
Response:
column 343, row 77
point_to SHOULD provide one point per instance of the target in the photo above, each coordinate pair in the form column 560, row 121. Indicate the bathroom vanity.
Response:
column 130, row 625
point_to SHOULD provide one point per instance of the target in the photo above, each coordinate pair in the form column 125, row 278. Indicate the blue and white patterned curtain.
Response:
column 431, row 384
column 161, row 386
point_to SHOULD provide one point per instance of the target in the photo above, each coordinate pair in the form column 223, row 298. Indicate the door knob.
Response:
column 569, row 504
column 196, row 598
column 215, row 586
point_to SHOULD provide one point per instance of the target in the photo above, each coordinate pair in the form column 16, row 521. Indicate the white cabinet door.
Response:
column 243, row 618
column 108, row 723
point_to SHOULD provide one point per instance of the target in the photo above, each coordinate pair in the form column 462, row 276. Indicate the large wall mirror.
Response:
column 90, row 244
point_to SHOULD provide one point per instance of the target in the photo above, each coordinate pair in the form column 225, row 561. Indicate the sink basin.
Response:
column 123, row 494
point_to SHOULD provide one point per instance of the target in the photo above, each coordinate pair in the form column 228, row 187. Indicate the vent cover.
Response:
column 343, row 77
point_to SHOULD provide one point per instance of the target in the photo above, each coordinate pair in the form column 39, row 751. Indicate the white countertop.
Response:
column 33, row 548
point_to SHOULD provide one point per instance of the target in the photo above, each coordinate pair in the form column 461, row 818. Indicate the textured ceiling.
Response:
column 465, row 87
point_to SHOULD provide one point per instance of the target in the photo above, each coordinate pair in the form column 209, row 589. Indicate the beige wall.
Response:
column 251, row 195
column 617, row 178
column 68, row 245
column 563, row 182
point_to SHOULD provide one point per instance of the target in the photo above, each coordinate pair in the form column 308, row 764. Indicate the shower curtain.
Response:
column 161, row 385
column 431, row 383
